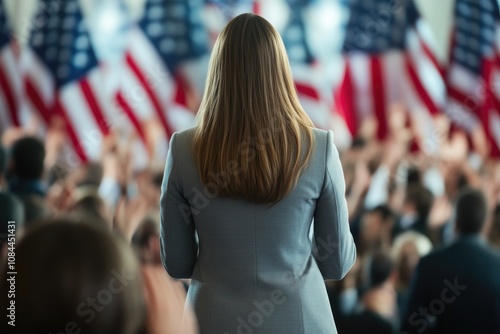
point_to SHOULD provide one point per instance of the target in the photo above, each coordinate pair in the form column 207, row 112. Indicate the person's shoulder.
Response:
column 437, row 255
column 186, row 135
column 183, row 139
column 321, row 138
column 462, row 248
column 321, row 134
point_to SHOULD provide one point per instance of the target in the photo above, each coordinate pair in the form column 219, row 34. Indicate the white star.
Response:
column 486, row 4
column 156, row 12
column 199, row 36
column 82, row 42
column 80, row 59
column 71, row 7
column 464, row 9
column 154, row 29
column 194, row 16
column 487, row 18
column 167, row 45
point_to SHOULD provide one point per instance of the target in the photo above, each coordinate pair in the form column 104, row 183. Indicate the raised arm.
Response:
column 335, row 249
column 178, row 245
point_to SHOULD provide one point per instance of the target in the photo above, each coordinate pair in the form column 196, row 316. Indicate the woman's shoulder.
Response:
column 322, row 139
column 183, row 138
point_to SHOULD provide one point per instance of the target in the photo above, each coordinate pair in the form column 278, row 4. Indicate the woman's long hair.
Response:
column 253, row 139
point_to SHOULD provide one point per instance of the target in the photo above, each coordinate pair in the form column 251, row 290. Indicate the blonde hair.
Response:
column 253, row 139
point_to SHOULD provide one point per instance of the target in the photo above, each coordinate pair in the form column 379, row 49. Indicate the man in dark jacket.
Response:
column 456, row 289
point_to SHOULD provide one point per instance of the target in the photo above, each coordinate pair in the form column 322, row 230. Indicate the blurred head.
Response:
column 92, row 208
column 471, row 211
column 146, row 239
column 406, row 251
column 376, row 225
column 380, row 270
column 36, row 209
column 92, row 175
column 414, row 177
column 419, row 200
column 75, row 276
column 251, row 116
column 27, row 158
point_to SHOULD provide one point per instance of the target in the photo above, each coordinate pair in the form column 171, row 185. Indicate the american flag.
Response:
column 474, row 73
column 388, row 59
column 170, row 33
column 10, row 83
column 63, row 79
column 303, row 62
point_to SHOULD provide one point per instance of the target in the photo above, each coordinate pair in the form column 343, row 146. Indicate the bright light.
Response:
column 108, row 24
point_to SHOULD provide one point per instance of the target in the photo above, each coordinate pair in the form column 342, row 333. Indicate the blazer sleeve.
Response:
column 178, row 245
column 335, row 251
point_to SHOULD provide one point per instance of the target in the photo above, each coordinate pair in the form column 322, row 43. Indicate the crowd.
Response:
column 87, row 251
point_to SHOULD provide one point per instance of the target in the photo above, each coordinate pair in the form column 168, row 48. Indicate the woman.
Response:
column 240, row 191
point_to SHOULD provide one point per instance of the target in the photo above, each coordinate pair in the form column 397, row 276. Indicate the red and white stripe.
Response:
column 372, row 83
column 81, row 105
column 10, row 87
column 147, row 88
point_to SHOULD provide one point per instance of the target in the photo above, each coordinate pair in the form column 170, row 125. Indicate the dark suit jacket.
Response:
column 366, row 322
column 456, row 290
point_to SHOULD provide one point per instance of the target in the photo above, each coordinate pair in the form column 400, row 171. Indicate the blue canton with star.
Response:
column 475, row 32
column 61, row 39
column 176, row 29
column 378, row 26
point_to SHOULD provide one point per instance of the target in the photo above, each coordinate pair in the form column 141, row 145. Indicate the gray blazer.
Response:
column 254, row 268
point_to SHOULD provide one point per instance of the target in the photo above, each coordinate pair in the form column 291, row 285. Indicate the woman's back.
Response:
column 257, row 270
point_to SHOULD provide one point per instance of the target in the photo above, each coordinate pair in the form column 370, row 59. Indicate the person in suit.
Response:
column 240, row 191
column 416, row 209
column 456, row 289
